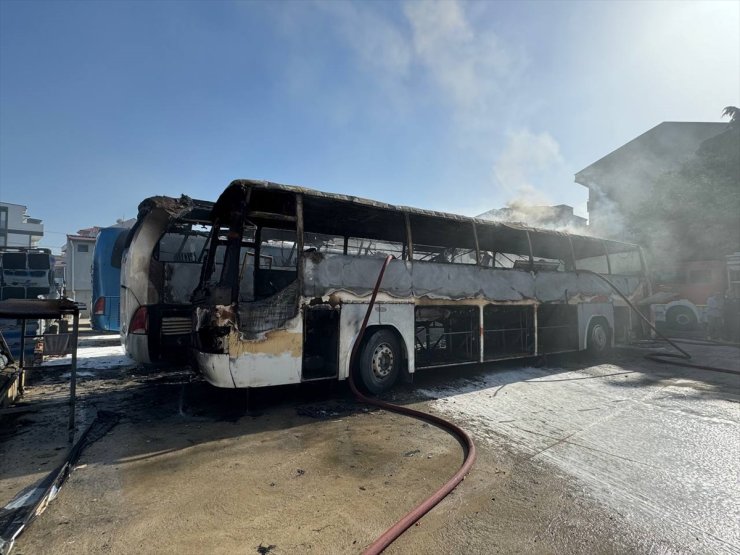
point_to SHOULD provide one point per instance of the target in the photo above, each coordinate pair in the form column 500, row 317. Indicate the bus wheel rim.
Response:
column 683, row 319
column 382, row 361
column 598, row 336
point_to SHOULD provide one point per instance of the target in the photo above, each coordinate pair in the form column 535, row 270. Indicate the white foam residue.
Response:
column 96, row 357
column 659, row 453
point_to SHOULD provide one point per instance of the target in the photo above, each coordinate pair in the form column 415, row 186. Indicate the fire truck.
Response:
column 683, row 294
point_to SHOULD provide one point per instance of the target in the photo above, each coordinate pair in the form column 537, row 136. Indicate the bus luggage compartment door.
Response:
column 321, row 342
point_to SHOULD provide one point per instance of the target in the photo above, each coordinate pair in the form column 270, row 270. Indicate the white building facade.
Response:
column 17, row 228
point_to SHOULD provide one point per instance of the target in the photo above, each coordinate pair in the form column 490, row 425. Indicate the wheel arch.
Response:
column 683, row 303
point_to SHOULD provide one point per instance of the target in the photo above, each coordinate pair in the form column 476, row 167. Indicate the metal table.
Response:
column 33, row 309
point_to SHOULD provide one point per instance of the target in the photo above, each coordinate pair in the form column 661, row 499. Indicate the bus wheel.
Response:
column 599, row 338
column 380, row 362
column 681, row 318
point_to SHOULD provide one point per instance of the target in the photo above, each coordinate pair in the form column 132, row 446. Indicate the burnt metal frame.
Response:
column 408, row 251
column 569, row 326
column 245, row 188
column 469, row 335
column 527, row 332
column 31, row 309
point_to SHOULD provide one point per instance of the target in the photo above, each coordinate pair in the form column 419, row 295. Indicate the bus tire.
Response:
column 681, row 318
column 599, row 338
column 380, row 362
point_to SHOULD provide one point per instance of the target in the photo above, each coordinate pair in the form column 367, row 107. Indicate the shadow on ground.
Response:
column 173, row 409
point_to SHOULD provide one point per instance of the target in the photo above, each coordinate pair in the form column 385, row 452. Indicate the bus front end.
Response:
column 247, row 329
column 227, row 357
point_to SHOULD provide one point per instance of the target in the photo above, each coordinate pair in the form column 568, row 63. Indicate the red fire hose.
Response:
column 390, row 535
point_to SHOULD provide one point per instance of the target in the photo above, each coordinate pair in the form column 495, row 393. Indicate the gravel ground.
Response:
column 625, row 457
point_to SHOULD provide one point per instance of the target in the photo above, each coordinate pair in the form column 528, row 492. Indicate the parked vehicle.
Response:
column 461, row 290
column 106, row 277
column 25, row 273
column 684, row 292
column 159, row 270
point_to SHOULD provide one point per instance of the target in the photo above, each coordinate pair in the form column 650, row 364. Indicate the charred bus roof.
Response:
column 271, row 203
column 184, row 209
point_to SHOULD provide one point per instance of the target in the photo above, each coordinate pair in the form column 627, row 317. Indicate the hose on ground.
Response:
column 392, row 533
column 665, row 358
column 705, row 342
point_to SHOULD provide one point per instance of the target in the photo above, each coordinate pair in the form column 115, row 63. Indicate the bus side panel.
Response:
column 586, row 313
column 565, row 286
column 400, row 317
column 136, row 346
column 629, row 285
column 136, row 286
column 350, row 321
column 327, row 273
column 106, row 280
column 215, row 368
column 274, row 358
column 266, row 370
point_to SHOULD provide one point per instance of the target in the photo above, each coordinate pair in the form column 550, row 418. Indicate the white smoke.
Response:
column 527, row 160
column 467, row 64
column 527, row 166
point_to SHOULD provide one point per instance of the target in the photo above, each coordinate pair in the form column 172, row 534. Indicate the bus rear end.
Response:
column 160, row 269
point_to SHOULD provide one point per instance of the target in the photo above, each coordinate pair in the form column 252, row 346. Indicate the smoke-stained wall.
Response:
column 671, row 189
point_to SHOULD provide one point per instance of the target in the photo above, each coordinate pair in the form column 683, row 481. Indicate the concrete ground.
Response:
column 625, row 457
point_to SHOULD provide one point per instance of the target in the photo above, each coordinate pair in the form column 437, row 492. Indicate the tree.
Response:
column 732, row 112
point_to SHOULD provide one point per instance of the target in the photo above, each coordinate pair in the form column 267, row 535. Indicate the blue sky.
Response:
column 451, row 106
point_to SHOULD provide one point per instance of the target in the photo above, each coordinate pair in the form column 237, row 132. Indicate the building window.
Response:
column 3, row 218
column 82, row 248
